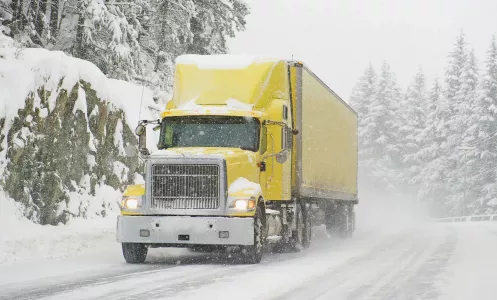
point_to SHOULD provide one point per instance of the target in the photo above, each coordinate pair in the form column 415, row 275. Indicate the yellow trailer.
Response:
column 249, row 151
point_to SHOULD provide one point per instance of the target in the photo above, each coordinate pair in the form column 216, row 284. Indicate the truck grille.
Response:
column 185, row 186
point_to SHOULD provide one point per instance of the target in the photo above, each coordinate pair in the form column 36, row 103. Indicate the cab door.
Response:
column 286, row 162
column 276, row 179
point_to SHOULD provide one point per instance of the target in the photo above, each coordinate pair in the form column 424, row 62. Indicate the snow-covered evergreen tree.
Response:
column 363, row 94
column 484, row 139
column 136, row 40
column 414, row 116
column 442, row 142
column 465, row 130
column 431, row 156
column 214, row 21
column 381, row 152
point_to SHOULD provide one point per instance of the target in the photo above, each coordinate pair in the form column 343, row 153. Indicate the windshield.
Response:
column 230, row 132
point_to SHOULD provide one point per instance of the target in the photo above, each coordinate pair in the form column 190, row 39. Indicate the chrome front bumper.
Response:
column 186, row 230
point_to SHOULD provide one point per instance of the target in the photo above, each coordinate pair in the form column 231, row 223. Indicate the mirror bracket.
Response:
column 141, row 132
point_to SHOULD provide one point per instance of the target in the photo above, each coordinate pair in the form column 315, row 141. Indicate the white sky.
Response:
column 337, row 39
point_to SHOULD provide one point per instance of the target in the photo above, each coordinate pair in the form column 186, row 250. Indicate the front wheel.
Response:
column 253, row 254
column 134, row 253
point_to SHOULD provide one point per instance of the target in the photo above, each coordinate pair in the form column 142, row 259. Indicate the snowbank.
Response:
column 43, row 75
column 21, row 239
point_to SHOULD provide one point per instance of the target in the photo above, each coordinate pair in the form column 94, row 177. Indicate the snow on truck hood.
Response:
column 242, row 184
column 227, row 153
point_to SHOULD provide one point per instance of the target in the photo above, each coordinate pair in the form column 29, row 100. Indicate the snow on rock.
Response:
column 243, row 184
column 80, row 101
column 49, row 79
column 118, row 137
column 120, row 170
column 221, row 61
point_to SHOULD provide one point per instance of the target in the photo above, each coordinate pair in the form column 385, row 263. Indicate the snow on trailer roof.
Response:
column 223, row 61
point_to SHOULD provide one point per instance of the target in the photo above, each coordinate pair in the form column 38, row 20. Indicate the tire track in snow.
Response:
column 192, row 271
column 339, row 276
column 373, row 275
column 153, row 266
column 172, row 290
column 225, row 269
column 419, row 280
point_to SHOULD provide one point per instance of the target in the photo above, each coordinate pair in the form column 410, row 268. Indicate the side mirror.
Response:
column 140, row 130
column 282, row 156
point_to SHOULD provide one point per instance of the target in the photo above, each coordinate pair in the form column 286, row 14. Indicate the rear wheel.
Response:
column 306, row 239
column 346, row 219
column 331, row 219
column 301, row 236
column 134, row 253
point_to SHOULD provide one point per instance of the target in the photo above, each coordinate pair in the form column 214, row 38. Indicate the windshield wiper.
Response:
column 246, row 148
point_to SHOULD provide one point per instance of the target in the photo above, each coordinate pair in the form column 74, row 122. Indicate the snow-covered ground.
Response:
column 398, row 257
column 432, row 261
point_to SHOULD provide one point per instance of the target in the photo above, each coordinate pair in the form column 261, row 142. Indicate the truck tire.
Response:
column 134, row 253
column 331, row 220
column 253, row 254
column 307, row 234
column 346, row 220
column 301, row 235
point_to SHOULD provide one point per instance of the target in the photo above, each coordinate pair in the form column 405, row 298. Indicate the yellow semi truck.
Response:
column 251, row 152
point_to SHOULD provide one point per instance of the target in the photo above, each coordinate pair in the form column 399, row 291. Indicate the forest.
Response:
column 130, row 40
column 435, row 139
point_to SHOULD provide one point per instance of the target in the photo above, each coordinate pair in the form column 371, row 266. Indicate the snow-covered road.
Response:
column 431, row 261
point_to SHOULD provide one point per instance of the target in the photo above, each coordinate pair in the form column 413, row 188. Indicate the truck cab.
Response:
column 226, row 172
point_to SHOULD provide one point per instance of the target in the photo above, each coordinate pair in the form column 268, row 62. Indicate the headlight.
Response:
column 243, row 204
column 131, row 202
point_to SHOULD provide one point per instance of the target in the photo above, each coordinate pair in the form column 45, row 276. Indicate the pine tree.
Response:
column 363, row 92
column 54, row 20
column 101, row 35
column 431, row 156
column 453, row 126
column 213, row 22
column 40, row 20
column 381, row 151
column 465, row 125
column 414, row 115
column 485, row 140
column 363, row 95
